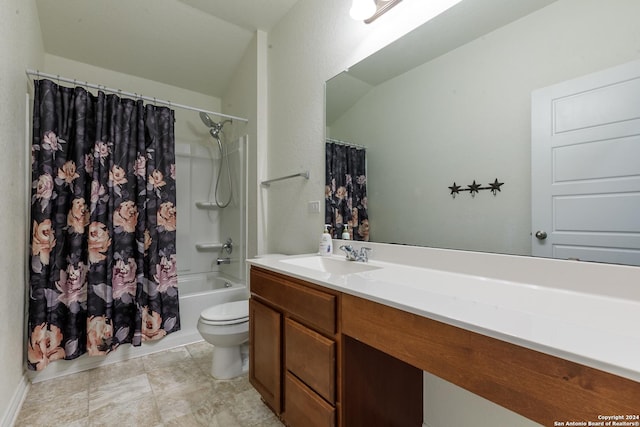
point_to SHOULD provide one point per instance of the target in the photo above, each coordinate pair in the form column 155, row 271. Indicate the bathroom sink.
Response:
column 330, row 265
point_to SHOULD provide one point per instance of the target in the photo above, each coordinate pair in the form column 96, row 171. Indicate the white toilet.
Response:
column 226, row 326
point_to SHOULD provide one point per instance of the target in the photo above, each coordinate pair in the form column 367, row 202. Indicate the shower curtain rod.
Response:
column 345, row 143
column 83, row 83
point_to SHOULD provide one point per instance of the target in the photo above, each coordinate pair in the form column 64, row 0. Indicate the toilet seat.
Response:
column 230, row 313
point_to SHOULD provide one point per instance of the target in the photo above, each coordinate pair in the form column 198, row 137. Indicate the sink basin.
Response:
column 330, row 265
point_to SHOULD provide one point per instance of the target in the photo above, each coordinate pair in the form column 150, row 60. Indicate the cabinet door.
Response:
column 265, row 354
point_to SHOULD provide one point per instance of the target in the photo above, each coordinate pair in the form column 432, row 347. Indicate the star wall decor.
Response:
column 495, row 186
column 455, row 189
column 475, row 188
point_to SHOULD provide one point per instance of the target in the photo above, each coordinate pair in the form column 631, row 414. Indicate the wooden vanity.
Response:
column 320, row 357
column 295, row 339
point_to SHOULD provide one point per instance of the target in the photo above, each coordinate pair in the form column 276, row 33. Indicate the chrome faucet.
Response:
column 353, row 255
column 228, row 246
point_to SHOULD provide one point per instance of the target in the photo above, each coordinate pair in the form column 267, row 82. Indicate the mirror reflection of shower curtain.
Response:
column 346, row 190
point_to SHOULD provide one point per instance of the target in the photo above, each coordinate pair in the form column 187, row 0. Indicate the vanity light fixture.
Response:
column 370, row 10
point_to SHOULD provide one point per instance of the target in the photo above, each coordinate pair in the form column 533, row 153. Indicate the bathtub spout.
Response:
column 223, row 261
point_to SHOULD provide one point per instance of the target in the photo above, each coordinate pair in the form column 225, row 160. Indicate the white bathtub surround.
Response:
column 584, row 312
column 196, row 291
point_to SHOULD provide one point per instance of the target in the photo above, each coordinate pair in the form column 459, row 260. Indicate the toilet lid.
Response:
column 226, row 312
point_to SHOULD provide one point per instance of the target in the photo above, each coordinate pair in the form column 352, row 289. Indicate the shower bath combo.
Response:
column 225, row 325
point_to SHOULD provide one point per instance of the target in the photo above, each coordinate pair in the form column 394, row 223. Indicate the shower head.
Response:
column 206, row 119
column 214, row 128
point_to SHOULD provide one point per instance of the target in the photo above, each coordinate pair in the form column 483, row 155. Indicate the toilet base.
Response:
column 227, row 362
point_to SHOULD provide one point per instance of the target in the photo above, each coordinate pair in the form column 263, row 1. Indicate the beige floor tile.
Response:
column 172, row 388
column 272, row 421
column 115, row 373
column 183, row 375
column 184, row 421
column 63, row 411
column 69, row 385
column 187, row 401
column 129, row 389
column 200, row 349
column 135, row 413
column 224, row 419
column 249, row 410
column 165, row 358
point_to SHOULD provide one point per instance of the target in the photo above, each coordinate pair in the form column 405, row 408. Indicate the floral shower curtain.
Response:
column 346, row 191
column 103, row 224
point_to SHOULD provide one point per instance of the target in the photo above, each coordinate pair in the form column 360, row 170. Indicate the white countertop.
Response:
column 597, row 329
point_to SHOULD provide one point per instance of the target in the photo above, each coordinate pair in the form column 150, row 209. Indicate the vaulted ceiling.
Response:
column 193, row 44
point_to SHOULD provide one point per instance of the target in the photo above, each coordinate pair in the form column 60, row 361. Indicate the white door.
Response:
column 585, row 167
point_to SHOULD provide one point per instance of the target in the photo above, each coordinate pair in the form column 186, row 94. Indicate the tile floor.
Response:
column 171, row 388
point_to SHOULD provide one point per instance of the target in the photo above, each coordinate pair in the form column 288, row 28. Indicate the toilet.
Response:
column 226, row 326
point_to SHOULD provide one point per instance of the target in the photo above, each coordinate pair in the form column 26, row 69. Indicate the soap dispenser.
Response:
column 345, row 233
column 326, row 244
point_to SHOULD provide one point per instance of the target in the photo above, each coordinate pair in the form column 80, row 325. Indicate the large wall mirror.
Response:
column 451, row 102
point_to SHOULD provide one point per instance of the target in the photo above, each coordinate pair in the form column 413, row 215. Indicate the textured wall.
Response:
column 20, row 47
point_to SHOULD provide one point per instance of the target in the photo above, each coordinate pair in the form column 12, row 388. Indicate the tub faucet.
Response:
column 226, row 260
column 353, row 255
column 228, row 246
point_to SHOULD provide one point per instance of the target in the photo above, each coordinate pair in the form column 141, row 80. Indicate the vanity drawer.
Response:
column 304, row 408
column 311, row 357
column 317, row 308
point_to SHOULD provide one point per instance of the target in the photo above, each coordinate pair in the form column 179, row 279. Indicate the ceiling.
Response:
column 192, row 44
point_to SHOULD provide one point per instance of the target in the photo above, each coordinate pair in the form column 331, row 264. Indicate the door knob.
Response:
column 541, row 235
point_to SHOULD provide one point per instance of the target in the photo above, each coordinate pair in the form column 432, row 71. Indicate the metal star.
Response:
column 495, row 186
column 455, row 189
column 474, row 188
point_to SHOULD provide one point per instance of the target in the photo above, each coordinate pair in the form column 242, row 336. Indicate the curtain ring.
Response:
column 58, row 79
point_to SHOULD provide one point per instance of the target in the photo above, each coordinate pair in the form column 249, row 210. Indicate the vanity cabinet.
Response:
column 294, row 340
column 321, row 357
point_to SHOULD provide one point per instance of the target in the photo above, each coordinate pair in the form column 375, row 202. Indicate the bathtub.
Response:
column 196, row 291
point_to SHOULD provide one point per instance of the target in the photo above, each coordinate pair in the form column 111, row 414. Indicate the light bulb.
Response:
column 362, row 9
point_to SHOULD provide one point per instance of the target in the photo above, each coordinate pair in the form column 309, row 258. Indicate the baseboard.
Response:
column 11, row 414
